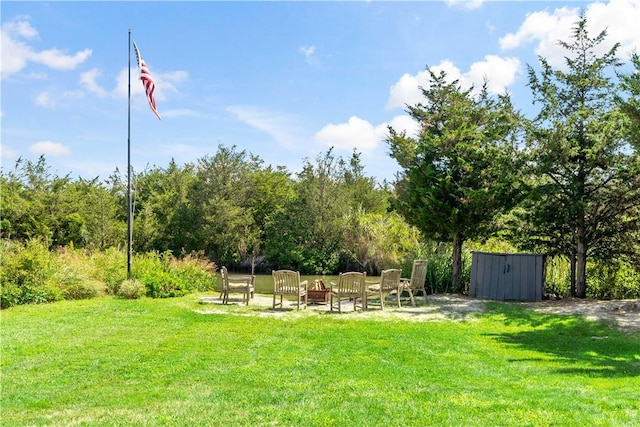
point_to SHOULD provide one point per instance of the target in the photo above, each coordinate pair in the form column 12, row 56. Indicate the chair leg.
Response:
column 413, row 301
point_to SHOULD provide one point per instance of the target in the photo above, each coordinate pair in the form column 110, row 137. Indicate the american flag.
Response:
column 147, row 81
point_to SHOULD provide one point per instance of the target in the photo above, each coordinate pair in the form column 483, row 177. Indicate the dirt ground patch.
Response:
column 622, row 314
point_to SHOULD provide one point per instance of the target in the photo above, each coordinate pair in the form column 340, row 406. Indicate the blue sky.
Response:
column 282, row 80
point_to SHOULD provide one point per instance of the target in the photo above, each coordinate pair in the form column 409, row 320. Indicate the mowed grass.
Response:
column 166, row 362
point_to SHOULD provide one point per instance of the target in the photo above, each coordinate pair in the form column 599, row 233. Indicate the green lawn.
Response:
column 147, row 362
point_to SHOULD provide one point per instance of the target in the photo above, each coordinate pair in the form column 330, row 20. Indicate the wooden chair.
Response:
column 389, row 283
column 244, row 285
column 350, row 286
column 417, row 281
column 287, row 282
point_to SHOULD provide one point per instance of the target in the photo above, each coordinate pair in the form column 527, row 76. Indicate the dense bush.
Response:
column 166, row 276
column 612, row 280
column 33, row 274
column 28, row 274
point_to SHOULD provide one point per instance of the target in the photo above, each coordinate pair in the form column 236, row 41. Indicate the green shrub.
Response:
column 110, row 267
column 612, row 280
column 166, row 276
column 28, row 274
column 131, row 289
column 195, row 271
column 153, row 270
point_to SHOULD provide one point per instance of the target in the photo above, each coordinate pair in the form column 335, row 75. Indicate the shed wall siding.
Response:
column 502, row 276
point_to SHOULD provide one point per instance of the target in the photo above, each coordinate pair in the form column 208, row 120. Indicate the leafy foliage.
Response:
column 630, row 105
column 27, row 274
column 57, row 210
column 165, row 276
column 461, row 172
column 586, row 187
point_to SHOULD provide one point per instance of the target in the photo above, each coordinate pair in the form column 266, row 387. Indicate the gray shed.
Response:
column 501, row 276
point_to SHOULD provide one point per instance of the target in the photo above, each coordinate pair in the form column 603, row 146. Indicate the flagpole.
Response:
column 129, row 228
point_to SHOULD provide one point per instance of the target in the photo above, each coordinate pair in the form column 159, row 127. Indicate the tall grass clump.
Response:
column 194, row 269
column 557, row 276
column 110, row 267
column 132, row 289
column 74, row 274
column 166, row 276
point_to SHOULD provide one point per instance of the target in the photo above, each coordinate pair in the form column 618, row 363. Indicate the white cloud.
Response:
column 50, row 101
column 16, row 53
column 361, row 135
column 184, row 112
column 279, row 126
column 499, row 72
column 7, row 153
column 308, row 52
column 88, row 80
column 45, row 100
column 165, row 82
column 619, row 17
column 356, row 133
column 184, row 150
column 404, row 123
column 58, row 60
column 466, row 4
column 407, row 90
column 50, row 148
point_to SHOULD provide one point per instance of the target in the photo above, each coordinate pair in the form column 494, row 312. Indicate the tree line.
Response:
column 565, row 183
column 227, row 206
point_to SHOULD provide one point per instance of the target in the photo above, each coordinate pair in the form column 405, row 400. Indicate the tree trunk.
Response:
column 581, row 264
column 457, row 262
column 572, row 289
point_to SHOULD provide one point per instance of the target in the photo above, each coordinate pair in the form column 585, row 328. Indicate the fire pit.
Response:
column 317, row 292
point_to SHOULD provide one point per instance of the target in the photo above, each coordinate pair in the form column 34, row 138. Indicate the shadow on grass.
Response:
column 593, row 348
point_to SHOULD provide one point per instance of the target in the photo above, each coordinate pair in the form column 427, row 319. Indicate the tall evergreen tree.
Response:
column 460, row 173
column 586, row 181
column 630, row 101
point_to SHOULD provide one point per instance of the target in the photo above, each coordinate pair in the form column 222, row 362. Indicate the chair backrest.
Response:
column 286, row 281
column 390, row 279
column 419, row 273
column 351, row 283
column 225, row 277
